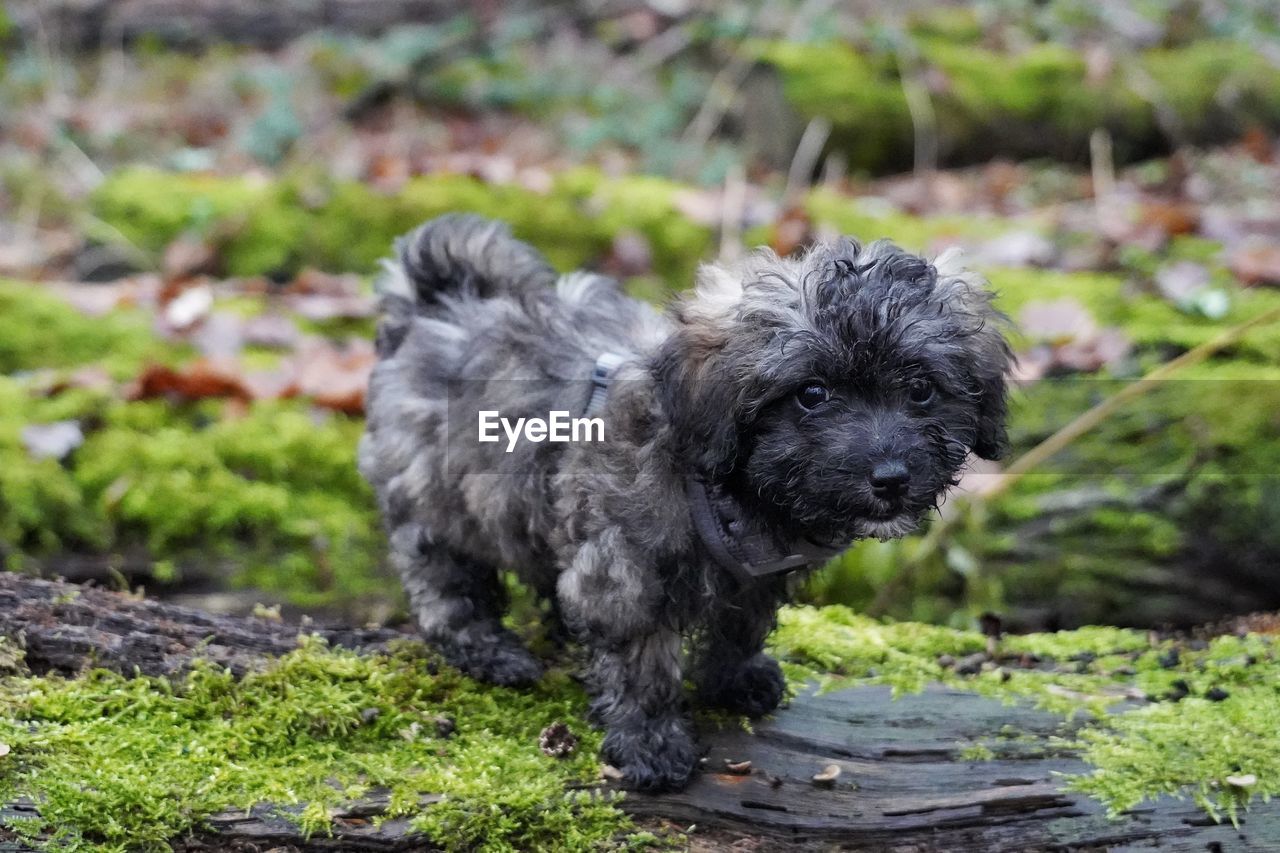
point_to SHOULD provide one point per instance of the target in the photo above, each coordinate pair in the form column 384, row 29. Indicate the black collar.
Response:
column 741, row 548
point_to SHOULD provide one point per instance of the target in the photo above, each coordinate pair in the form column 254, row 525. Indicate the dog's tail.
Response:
column 463, row 255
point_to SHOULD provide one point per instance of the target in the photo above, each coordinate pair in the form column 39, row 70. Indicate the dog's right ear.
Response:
column 699, row 399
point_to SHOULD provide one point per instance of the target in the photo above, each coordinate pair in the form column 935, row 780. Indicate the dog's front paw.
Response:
column 497, row 660
column 656, row 754
column 753, row 688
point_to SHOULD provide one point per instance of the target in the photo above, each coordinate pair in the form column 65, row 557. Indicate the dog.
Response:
column 783, row 409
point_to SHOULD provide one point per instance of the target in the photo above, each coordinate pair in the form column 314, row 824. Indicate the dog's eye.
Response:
column 813, row 395
column 920, row 391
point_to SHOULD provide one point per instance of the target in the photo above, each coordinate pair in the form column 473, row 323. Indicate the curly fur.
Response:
column 474, row 319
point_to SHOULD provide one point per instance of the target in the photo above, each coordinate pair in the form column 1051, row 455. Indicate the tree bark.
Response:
column 64, row 628
column 903, row 781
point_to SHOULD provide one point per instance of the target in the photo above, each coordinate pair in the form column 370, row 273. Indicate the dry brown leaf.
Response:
column 1256, row 262
column 335, row 378
column 186, row 257
column 1058, row 322
column 200, row 380
column 314, row 281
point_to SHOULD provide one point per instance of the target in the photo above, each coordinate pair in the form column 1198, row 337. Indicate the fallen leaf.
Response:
column 202, row 379
column 1180, row 281
column 335, row 378
column 1057, row 322
column 791, row 232
column 1256, row 262
column 630, row 255
column 1017, row 249
column 186, row 257
column 189, row 307
column 1257, row 144
column 1103, row 349
column 827, row 776
column 316, row 282
column 97, row 300
column 321, row 307
column 221, row 335
column 271, row 330
column 53, row 440
column 1171, row 217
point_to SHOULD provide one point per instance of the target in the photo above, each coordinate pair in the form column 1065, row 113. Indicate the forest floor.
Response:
column 186, row 317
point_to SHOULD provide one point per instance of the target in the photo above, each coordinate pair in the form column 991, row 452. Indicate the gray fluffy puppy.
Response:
column 781, row 410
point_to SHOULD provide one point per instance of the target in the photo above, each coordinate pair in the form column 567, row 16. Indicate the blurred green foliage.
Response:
column 276, row 227
column 1039, row 101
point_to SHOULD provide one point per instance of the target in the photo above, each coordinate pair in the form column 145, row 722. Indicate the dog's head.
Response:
column 840, row 392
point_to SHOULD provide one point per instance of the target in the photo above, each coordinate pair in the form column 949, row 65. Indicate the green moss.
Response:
column 855, row 217
column 859, row 94
column 276, row 491
column 39, row 331
column 119, row 763
column 1197, row 746
column 275, row 229
column 1186, row 748
column 1036, row 101
column 1198, row 81
column 41, row 507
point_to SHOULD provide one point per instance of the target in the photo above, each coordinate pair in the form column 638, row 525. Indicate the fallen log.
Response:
column 851, row 768
column 64, row 628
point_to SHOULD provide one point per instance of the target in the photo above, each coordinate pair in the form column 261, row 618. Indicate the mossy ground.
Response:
column 132, row 764
column 273, row 491
column 118, row 763
column 1206, row 712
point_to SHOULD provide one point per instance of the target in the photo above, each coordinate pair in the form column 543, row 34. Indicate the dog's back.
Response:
column 475, row 320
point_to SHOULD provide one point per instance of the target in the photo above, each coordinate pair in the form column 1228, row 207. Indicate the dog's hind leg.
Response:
column 458, row 603
column 730, row 668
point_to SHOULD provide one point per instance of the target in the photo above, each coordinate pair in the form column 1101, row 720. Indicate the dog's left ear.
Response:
column 992, row 438
column 967, row 293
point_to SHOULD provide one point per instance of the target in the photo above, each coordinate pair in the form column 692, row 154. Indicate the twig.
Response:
column 732, row 204
column 808, row 150
column 720, row 94
column 654, row 53
column 92, row 225
column 924, row 119
column 725, row 85
column 1102, row 166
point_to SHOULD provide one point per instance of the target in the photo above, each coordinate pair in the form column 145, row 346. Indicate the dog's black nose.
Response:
column 889, row 480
